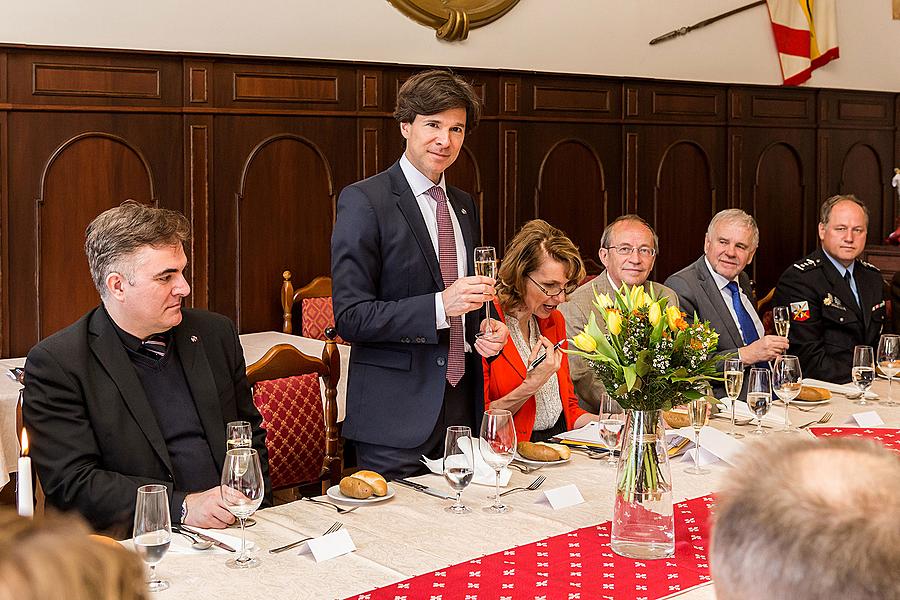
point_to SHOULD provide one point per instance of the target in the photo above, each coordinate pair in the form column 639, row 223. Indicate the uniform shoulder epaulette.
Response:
column 869, row 265
column 807, row 264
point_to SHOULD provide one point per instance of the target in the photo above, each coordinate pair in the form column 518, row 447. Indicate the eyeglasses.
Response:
column 643, row 251
column 568, row 288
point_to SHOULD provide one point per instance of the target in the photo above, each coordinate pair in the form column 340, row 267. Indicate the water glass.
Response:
column 498, row 444
column 889, row 361
column 863, row 371
column 787, row 380
column 242, row 491
column 152, row 530
column 759, row 396
column 610, row 429
column 459, row 463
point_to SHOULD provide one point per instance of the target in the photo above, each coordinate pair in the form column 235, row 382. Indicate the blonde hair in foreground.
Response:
column 809, row 520
column 56, row 557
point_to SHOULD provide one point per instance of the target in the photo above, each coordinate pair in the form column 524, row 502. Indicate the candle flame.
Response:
column 24, row 442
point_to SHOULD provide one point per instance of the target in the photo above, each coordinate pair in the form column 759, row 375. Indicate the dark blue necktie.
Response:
column 748, row 328
column 155, row 346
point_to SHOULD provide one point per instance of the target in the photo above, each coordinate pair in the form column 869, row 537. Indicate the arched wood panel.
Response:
column 778, row 206
column 571, row 178
column 285, row 216
column 85, row 176
column 684, row 200
column 861, row 174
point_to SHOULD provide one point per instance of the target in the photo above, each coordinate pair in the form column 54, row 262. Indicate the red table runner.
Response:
column 889, row 436
column 572, row 566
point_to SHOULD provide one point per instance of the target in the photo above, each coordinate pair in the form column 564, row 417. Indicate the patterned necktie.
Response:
column 748, row 328
column 155, row 346
column 456, row 365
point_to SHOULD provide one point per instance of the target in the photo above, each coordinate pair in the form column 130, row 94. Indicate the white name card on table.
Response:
column 329, row 546
column 869, row 418
column 564, row 497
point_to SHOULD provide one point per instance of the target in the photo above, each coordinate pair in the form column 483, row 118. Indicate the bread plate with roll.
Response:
column 362, row 487
column 812, row 396
column 537, row 454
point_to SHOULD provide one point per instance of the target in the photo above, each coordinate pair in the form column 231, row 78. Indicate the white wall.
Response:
column 607, row 37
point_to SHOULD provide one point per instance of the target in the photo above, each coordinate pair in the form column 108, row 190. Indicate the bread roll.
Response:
column 538, row 452
column 356, row 488
column 809, row 393
column 676, row 419
column 379, row 485
column 561, row 449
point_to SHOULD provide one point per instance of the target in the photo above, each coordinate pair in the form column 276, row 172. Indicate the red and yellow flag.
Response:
column 805, row 35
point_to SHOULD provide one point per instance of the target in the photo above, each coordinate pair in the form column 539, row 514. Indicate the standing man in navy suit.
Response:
column 403, row 291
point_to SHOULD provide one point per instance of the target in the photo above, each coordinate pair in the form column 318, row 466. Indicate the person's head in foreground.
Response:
column 809, row 519
column 55, row 557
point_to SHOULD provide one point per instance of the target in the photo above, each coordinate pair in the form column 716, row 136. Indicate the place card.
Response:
column 564, row 497
column 869, row 418
column 329, row 546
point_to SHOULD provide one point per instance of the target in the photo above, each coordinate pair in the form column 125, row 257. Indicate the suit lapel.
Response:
column 715, row 297
column 410, row 209
column 111, row 354
column 200, row 380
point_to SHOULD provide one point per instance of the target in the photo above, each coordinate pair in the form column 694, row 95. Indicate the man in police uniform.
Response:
column 836, row 300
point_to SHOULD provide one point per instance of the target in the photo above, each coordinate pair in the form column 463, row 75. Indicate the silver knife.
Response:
column 208, row 538
column 425, row 489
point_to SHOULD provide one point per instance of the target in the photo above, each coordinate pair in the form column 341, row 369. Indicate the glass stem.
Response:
column 152, row 574
column 497, row 488
column 458, row 503
column 243, row 556
column 890, row 396
column 487, row 314
column 733, row 402
column 759, row 425
column 787, row 420
column 697, row 449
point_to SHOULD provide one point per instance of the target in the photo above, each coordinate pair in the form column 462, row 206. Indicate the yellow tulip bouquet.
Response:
column 650, row 358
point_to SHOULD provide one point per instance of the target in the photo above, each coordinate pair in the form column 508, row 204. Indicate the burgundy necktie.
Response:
column 456, row 365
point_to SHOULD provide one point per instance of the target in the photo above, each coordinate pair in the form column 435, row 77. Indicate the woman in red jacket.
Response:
column 540, row 267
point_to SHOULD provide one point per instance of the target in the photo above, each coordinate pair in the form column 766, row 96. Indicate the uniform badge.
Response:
column 800, row 310
column 877, row 306
column 833, row 301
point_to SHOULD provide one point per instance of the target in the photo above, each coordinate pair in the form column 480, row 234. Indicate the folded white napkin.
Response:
column 714, row 444
column 484, row 474
column 838, row 388
column 773, row 418
column 181, row 545
column 590, row 434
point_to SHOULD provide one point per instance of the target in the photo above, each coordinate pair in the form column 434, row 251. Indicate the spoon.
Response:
column 197, row 543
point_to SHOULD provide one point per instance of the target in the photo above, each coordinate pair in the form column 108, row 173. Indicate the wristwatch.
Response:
column 184, row 510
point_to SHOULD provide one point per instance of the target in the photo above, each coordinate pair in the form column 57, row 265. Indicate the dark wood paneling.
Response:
column 95, row 81
column 199, row 173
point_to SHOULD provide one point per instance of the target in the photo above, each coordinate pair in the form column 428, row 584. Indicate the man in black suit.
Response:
column 139, row 390
column 401, row 259
column 716, row 288
column 836, row 300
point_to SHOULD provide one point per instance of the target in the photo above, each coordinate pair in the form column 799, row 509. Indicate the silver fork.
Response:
column 823, row 419
column 334, row 527
column 341, row 510
column 531, row 486
column 524, row 468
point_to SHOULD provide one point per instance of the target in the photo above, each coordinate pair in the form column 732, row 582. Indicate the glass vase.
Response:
column 643, row 523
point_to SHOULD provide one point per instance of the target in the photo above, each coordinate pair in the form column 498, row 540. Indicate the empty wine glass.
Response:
column 486, row 266
column 238, row 435
column 459, row 463
column 242, row 492
column 863, row 372
column 759, row 396
column 699, row 412
column 152, row 530
column 889, row 361
column 734, row 379
column 498, row 443
column 781, row 316
column 787, row 380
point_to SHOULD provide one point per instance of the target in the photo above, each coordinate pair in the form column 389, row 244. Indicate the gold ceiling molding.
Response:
column 452, row 19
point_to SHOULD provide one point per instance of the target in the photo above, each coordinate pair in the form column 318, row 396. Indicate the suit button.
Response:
column 420, row 340
column 404, row 339
column 842, row 319
column 441, row 361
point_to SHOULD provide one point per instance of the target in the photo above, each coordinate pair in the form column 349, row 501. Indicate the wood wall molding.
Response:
column 256, row 150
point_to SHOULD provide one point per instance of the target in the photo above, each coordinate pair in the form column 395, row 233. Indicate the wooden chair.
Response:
column 303, row 438
column 316, row 313
column 764, row 308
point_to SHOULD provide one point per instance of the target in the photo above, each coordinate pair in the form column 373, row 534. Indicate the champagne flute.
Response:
column 734, row 379
column 459, row 464
column 497, row 442
column 782, row 318
column 759, row 396
column 242, row 491
column 863, row 371
column 486, row 266
column 889, row 361
column 238, row 434
column 699, row 412
column 787, row 380
column 152, row 530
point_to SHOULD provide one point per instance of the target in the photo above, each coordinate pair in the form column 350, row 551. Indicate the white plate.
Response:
column 538, row 463
column 796, row 402
column 334, row 492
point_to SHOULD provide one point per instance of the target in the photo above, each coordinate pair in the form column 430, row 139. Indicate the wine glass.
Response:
column 459, row 463
column 238, row 434
column 242, row 492
column 863, row 371
column 787, row 380
column 610, row 428
column 759, row 396
column 486, row 266
column 497, row 442
column 699, row 412
column 781, row 316
column 152, row 530
column 889, row 361
column 734, row 379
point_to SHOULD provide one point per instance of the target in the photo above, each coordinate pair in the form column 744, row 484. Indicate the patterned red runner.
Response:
column 572, row 566
column 889, row 436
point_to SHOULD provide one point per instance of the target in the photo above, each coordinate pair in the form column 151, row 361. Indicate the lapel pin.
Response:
column 463, row 211
column 194, row 338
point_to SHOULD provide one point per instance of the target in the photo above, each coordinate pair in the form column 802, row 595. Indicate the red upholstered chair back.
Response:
column 316, row 311
column 302, row 435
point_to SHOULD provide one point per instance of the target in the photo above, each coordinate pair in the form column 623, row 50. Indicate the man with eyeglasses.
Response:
column 628, row 250
column 716, row 288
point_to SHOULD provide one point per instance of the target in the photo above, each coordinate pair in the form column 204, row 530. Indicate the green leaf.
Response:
column 630, row 376
column 691, row 395
column 642, row 366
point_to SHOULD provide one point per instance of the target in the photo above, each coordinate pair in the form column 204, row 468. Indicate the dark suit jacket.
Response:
column 385, row 274
column 95, row 438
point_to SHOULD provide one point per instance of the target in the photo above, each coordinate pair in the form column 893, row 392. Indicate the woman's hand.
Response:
column 549, row 366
